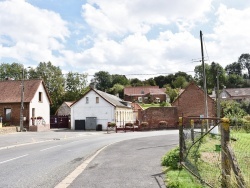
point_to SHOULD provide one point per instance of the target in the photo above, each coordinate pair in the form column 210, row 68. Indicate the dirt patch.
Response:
column 210, row 157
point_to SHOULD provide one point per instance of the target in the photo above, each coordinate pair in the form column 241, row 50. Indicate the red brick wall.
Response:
column 154, row 115
column 15, row 114
column 191, row 102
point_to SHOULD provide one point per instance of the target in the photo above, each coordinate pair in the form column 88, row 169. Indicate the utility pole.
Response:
column 22, row 98
column 218, row 95
column 204, row 79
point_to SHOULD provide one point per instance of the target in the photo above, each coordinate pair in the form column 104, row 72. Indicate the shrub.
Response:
column 144, row 124
column 171, row 158
column 111, row 124
column 163, row 123
column 129, row 124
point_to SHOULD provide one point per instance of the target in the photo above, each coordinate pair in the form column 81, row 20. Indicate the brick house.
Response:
column 145, row 94
column 36, row 103
column 191, row 102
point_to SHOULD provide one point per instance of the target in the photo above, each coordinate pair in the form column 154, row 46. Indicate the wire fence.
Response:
column 212, row 160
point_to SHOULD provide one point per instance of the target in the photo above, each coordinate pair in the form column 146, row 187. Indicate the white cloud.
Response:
column 30, row 33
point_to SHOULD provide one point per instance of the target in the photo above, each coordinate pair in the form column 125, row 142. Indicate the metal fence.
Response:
column 213, row 154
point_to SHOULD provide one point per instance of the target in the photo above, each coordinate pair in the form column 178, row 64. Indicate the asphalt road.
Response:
column 45, row 160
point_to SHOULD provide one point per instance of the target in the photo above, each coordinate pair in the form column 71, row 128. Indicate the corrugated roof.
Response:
column 10, row 90
column 235, row 92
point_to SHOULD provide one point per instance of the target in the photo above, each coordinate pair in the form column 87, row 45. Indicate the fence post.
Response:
column 225, row 163
column 192, row 129
column 202, row 126
column 181, row 139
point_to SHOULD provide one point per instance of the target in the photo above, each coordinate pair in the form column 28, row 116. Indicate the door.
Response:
column 79, row 124
column 90, row 123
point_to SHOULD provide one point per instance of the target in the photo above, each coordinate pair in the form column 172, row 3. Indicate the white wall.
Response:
column 103, row 111
column 41, row 108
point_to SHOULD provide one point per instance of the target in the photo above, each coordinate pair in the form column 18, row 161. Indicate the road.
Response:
column 48, row 163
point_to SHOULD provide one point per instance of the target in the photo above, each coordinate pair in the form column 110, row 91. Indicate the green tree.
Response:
column 244, row 60
column 103, row 80
column 13, row 71
column 117, row 89
column 234, row 68
column 160, row 81
column 119, row 79
column 149, row 82
column 172, row 93
column 75, row 87
column 234, row 81
column 187, row 77
column 180, row 82
column 198, row 71
column 136, row 82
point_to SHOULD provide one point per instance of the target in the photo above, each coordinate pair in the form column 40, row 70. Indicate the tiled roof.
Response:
column 235, row 92
column 10, row 90
column 143, row 90
column 136, row 106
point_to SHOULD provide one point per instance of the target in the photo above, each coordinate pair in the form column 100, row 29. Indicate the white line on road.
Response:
column 13, row 159
column 50, row 148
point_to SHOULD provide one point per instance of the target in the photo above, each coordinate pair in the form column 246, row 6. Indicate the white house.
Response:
column 97, row 107
column 36, row 104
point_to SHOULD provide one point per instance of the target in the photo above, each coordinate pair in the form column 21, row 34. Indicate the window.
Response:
column 40, row 97
column 87, row 100
column 7, row 114
column 139, row 99
column 97, row 99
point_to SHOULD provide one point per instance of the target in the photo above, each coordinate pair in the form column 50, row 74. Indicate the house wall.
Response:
column 191, row 103
column 15, row 113
column 103, row 111
column 123, row 116
column 63, row 110
column 42, row 108
column 154, row 115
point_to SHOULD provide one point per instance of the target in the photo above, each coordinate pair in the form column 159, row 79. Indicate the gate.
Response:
column 59, row 122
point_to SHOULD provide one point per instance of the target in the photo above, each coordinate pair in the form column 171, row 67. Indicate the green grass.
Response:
column 145, row 106
column 181, row 179
column 208, row 163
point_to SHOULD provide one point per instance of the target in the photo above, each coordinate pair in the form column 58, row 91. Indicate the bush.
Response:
column 162, row 123
column 144, row 124
column 171, row 158
column 129, row 124
column 111, row 124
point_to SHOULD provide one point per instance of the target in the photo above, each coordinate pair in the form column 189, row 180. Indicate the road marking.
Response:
column 73, row 175
column 13, row 159
column 50, row 148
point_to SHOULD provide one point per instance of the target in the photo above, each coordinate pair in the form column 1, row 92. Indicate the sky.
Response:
column 137, row 38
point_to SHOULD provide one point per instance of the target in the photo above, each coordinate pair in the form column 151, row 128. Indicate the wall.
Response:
column 154, row 115
column 191, row 102
column 15, row 113
column 104, row 111
column 63, row 110
column 41, row 108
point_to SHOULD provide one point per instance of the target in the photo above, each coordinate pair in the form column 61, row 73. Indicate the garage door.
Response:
column 90, row 123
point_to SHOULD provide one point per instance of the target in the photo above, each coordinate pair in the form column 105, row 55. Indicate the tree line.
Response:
column 72, row 86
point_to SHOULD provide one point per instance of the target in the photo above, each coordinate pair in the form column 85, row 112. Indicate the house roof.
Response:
column 236, row 92
column 136, row 106
column 11, row 90
column 143, row 90
column 112, row 99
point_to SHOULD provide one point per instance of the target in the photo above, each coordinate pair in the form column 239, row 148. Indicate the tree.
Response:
column 103, row 80
column 136, row 82
column 13, row 71
column 198, row 70
column 172, row 93
column 234, row 68
column 149, row 82
column 244, row 60
column 119, row 79
column 187, row 77
column 180, row 82
column 160, row 81
column 117, row 89
column 75, row 86
column 234, row 81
